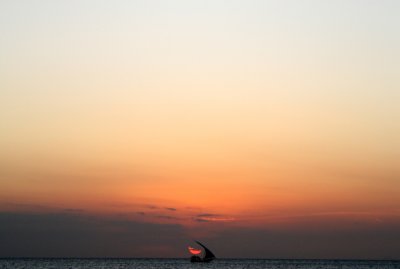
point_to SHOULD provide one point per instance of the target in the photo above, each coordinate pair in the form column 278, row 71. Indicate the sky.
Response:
column 264, row 129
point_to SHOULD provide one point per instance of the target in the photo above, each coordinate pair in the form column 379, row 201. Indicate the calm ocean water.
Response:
column 185, row 264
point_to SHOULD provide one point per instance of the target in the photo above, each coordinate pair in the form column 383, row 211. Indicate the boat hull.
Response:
column 198, row 259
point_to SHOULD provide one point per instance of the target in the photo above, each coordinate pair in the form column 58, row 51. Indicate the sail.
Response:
column 208, row 254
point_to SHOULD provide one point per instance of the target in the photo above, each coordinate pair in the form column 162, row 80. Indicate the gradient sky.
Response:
column 263, row 128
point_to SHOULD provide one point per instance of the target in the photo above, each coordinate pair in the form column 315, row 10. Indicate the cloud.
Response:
column 201, row 220
column 71, row 235
column 151, row 207
column 317, row 241
column 166, row 217
column 66, row 234
column 170, row 208
column 208, row 217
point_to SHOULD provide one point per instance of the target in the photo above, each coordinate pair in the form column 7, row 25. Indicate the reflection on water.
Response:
column 184, row 264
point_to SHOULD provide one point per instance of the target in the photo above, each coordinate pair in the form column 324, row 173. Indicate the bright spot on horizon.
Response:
column 194, row 251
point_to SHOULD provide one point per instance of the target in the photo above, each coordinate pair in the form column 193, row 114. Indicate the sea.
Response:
column 74, row 263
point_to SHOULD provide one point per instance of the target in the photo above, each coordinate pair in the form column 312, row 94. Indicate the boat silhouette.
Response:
column 208, row 255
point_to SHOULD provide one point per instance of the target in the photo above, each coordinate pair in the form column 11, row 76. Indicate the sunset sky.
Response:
column 261, row 128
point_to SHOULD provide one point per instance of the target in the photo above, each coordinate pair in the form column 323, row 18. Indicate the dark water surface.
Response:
column 185, row 264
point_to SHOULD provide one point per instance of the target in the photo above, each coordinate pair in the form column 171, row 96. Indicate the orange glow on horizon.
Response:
column 194, row 251
column 229, row 122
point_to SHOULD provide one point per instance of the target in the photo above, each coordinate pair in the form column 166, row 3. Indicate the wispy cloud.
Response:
column 151, row 206
column 166, row 217
column 208, row 217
